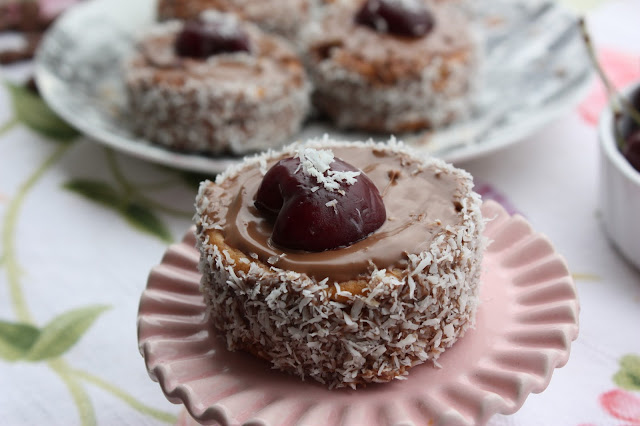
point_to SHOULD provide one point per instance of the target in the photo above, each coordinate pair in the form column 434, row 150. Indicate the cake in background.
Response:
column 215, row 85
column 29, row 19
column 392, row 65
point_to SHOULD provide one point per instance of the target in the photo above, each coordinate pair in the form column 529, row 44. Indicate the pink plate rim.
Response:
column 526, row 322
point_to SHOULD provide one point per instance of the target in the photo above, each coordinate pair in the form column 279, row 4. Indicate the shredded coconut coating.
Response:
column 318, row 329
column 317, row 164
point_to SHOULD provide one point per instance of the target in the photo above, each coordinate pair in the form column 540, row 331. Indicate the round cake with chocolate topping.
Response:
column 392, row 65
column 215, row 85
column 346, row 262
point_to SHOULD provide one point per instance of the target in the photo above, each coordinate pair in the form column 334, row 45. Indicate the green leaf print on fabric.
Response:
column 63, row 332
column 628, row 377
column 130, row 199
column 16, row 339
column 193, row 180
column 143, row 219
column 22, row 339
column 139, row 216
column 99, row 192
column 31, row 110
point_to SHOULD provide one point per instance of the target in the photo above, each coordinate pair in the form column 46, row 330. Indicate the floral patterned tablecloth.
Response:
column 81, row 226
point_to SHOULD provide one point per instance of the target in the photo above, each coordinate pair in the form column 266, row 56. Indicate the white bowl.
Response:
column 619, row 192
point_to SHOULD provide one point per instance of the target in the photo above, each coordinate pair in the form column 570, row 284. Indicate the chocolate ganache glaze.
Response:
column 419, row 203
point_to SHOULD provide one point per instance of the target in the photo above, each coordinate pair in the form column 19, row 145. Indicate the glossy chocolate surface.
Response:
column 419, row 203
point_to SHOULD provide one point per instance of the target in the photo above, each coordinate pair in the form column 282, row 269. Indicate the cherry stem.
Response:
column 618, row 102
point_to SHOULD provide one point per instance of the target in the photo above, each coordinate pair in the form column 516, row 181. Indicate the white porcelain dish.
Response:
column 619, row 192
column 535, row 69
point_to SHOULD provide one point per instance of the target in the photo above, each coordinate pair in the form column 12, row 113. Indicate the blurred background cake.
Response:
column 392, row 65
column 215, row 85
column 27, row 20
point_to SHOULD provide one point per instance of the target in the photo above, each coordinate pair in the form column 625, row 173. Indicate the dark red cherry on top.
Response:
column 626, row 122
column 211, row 35
column 305, row 215
column 630, row 132
column 631, row 149
column 409, row 18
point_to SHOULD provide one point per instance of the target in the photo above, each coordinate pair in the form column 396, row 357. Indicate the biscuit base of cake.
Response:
column 372, row 328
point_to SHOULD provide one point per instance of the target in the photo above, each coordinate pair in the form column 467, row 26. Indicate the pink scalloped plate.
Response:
column 526, row 322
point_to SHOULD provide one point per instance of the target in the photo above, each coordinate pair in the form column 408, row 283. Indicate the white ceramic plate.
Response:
column 526, row 321
column 535, row 69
